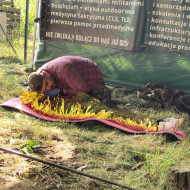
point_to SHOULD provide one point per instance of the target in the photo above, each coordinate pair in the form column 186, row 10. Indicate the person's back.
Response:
column 74, row 72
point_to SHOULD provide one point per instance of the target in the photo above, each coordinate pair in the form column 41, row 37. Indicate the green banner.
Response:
column 133, row 42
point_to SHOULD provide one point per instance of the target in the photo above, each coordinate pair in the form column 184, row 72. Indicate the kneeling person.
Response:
column 70, row 75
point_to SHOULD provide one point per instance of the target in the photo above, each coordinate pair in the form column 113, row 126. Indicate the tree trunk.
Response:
column 181, row 177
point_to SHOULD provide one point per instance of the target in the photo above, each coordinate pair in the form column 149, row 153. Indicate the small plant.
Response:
column 29, row 147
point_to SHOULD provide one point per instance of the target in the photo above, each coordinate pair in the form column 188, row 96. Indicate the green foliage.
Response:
column 21, row 4
column 29, row 147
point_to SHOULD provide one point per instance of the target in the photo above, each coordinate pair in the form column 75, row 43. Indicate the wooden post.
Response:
column 3, row 23
column 13, row 18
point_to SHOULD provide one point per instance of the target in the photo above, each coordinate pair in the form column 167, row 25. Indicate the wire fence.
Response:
column 11, row 37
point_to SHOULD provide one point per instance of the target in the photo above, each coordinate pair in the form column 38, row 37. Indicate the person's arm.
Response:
column 53, row 92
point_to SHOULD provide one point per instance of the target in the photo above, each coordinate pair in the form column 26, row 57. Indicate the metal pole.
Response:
column 26, row 31
column 36, row 25
column 68, row 169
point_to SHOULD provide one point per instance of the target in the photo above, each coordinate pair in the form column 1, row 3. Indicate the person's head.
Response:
column 40, row 82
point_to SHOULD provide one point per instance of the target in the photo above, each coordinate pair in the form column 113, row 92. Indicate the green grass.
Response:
column 140, row 161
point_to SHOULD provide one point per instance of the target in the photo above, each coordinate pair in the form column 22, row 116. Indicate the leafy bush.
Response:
column 21, row 4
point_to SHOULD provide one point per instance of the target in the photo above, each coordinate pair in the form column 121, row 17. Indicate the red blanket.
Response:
column 17, row 104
